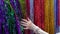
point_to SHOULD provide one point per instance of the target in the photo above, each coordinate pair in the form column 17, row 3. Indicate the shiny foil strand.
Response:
column 51, row 17
column 46, row 16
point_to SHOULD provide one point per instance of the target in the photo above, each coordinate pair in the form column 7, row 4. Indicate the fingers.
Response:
column 24, row 20
column 26, row 28
column 24, row 25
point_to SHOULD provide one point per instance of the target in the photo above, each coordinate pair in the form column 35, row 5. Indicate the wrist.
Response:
column 33, row 27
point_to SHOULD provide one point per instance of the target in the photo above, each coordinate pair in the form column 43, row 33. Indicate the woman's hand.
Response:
column 27, row 23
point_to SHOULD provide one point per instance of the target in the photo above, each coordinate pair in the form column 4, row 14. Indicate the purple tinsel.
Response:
column 16, row 6
column 0, row 22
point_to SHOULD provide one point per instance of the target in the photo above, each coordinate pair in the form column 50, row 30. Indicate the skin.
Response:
column 26, row 23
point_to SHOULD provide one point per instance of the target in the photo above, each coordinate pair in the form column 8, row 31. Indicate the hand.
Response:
column 27, row 23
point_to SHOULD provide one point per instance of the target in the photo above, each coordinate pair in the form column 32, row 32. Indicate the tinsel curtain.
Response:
column 43, row 13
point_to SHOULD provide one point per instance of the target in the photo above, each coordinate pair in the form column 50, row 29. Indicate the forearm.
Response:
column 29, row 25
column 37, row 30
